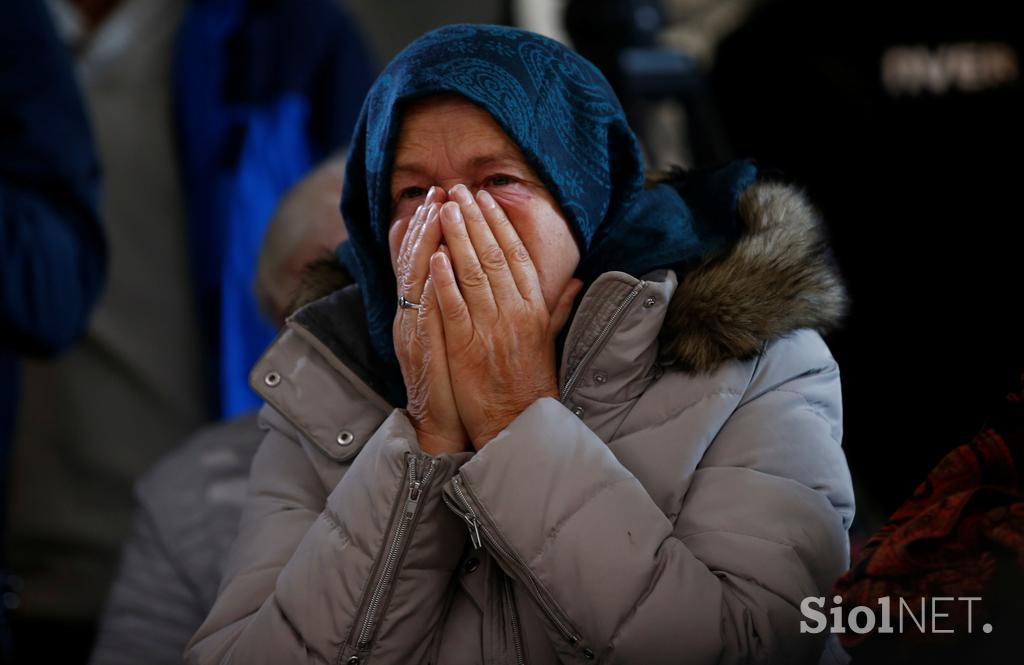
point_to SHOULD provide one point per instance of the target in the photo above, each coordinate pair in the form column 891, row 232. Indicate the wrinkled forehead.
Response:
column 450, row 125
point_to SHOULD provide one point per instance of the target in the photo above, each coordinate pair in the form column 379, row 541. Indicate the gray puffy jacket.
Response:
column 676, row 504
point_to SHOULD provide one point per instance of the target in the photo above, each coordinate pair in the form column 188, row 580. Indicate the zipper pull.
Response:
column 466, row 511
column 414, row 497
column 474, row 532
column 415, row 484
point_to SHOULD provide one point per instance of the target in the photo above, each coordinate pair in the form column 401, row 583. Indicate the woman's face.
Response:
column 446, row 141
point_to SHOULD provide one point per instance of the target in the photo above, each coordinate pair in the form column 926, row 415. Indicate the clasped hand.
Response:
column 481, row 347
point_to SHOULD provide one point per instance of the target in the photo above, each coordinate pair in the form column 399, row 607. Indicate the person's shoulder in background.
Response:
column 195, row 493
column 190, row 504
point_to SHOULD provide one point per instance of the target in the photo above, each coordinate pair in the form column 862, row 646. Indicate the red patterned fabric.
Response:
column 960, row 535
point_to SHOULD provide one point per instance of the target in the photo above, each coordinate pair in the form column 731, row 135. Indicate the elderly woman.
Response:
column 599, row 426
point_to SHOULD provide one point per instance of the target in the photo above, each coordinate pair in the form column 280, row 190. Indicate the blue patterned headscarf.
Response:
column 561, row 112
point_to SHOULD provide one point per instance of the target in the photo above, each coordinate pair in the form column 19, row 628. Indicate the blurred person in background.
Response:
column 657, row 55
column 205, row 113
column 189, row 504
column 961, row 535
column 52, row 249
column 392, row 24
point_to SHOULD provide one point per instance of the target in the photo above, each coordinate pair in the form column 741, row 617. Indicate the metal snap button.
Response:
column 600, row 377
column 272, row 379
column 354, row 660
column 578, row 411
column 345, row 437
column 471, row 565
column 650, row 301
column 588, row 654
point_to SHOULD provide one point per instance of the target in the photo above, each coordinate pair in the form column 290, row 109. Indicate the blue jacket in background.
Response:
column 265, row 89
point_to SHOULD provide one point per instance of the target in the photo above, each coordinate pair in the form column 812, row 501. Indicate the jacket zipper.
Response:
column 510, row 608
column 570, row 383
column 417, row 486
column 478, row 530
column 463, row 510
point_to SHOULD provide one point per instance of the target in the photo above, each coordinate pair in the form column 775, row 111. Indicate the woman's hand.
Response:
column 419, row 333
column 498, row 331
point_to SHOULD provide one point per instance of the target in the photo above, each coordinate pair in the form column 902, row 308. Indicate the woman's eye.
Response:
column 412, row 193
column 499, row 181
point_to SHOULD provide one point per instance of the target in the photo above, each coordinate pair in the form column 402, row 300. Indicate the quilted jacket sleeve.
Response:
column 324, row 551
column 762, row 524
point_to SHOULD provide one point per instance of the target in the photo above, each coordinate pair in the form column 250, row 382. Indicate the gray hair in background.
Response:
column 306, row 227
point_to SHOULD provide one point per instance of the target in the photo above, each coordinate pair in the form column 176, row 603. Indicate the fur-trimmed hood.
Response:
column 777, row 278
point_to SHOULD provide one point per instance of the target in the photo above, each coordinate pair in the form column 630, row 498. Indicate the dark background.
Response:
column 920, row 194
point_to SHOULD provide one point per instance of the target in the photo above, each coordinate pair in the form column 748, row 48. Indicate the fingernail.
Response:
column 442, row 259
column 485, row 198
column 461, row 194
column 452, row 210
column 432, row 193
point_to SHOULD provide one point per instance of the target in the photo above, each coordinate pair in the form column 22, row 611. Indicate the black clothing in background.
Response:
column 52, row 251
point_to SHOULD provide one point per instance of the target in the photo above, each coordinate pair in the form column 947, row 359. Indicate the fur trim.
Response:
column 779, row 277
column 319, row 279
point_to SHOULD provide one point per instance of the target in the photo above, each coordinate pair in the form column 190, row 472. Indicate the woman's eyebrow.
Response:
column 490, row 159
